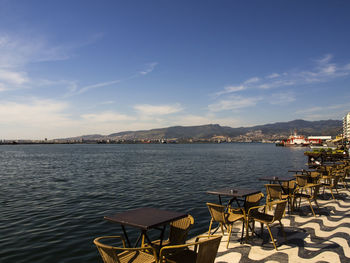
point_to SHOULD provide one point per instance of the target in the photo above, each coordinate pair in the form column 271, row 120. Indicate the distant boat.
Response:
column 296, row 140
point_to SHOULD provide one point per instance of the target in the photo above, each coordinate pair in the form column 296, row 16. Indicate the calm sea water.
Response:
column 53, row 197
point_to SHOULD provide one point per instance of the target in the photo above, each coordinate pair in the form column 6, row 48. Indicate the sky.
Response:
column 71, row 68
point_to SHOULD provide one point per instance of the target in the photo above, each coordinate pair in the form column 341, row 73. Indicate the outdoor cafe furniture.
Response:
column 177, row 233
column 234, row 194
column 203, row 250
column 305, row 190
column 274, row 192
column 244, row 198
column 287, row 185
column 254, row 214
column 144, row 219
column 122, row 254
column 331, row 182
column 219, row 215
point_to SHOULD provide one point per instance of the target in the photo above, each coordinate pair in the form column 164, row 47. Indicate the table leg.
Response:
column 138, row 240
column 162, row 236
column 126, row 236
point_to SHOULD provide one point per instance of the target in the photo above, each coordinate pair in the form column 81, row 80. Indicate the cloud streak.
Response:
column 233, row 103
column 324, row 70
column 149, row 69
column 149, row 110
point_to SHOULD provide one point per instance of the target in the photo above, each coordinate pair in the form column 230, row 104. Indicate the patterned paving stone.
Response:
column 325, row 238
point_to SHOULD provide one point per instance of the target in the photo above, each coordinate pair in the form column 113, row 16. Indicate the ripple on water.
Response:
column 53, row 197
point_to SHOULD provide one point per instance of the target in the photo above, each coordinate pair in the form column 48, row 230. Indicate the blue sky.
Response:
column 69, row 68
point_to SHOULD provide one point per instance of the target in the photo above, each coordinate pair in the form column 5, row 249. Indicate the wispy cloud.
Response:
column 97, row 85
column 39, row 118
column 324, row 70
column 273, row 75
column 318, row 109
column 108, row 116
column 335, row 111
column 252, row 80
column 231, row 89
column 146, row 109
column 149, row 69
column 17, row 51
column 282, row 98
column 233, row 103
column 74, row 89
column 10, row 79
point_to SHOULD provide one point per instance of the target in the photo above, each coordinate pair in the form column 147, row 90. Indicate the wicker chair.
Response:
column 341, row 173
column 219, row 215
column 331, row 182
column 112, row 254
column 204, row 251
column 251, row 203
column 268, row 219
column 307, row 191
column 274, row 192
column 178, row 232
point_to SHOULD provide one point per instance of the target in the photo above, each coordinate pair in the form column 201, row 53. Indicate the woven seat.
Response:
column 268, row 219
column 204, row 251
column 224, row 219
column 114, row 254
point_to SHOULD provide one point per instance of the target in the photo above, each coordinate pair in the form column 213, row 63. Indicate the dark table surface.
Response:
column 145, row 218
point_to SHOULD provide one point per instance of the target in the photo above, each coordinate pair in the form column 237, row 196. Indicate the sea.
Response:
column 53, row 198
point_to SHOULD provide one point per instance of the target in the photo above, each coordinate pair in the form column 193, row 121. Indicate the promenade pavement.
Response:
column 324, row 238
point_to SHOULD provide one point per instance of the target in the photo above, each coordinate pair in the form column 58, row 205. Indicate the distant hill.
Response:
column 279, row 129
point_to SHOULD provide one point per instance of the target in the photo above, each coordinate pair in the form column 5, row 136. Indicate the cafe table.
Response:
column 144, row 219
column 235, row 194
column 238, row 195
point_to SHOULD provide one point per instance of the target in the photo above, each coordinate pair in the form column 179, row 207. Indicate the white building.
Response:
column 346, row 126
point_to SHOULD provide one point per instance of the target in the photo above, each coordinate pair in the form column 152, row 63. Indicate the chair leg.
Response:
column 211, row 222
column 273, row 241
column 311, row 207
column 222, row 228
column 332, row 193
column 229, row 234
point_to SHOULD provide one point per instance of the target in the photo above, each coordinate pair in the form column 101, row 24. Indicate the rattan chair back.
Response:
column 301, row 180
column 273, row 191
column 205, row 250
column 217, row 212
column 208, row 249
column 279, row 210
column 252, row 200
column 113, row 254
column 179, row 230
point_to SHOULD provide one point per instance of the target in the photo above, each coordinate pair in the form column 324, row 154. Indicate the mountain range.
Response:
column 274, row 130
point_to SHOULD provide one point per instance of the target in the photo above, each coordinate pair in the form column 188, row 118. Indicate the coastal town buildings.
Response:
column 346, row 126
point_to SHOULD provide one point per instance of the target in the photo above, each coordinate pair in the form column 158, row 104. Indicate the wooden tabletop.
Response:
column 145, row 218
column 234, row 192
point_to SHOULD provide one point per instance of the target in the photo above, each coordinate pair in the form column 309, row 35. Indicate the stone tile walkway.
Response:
column 324, row 238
